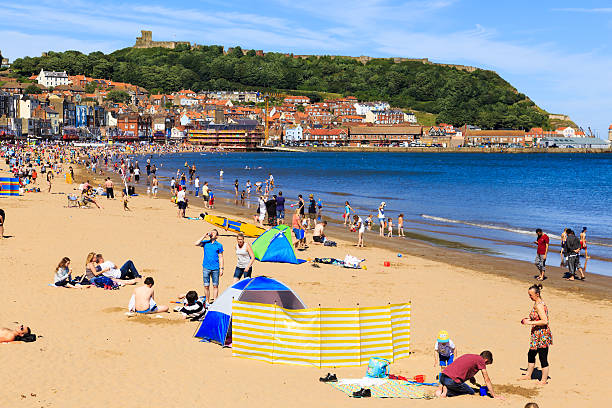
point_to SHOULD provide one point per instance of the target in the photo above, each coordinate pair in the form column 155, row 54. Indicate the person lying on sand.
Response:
column 127, row 272
column 143, row 299
column 8, row 335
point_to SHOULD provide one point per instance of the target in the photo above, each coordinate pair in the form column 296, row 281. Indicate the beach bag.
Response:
column 104, row 282
column 378, row 368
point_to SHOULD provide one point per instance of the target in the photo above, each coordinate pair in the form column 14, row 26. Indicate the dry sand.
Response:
column 91, row 354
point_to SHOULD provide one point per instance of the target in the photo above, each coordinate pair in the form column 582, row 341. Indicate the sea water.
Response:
column 489, row 203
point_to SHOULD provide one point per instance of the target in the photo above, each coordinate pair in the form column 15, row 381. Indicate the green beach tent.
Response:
column 275, row 245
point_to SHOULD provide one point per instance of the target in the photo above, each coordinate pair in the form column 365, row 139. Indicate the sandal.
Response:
column 329, row 378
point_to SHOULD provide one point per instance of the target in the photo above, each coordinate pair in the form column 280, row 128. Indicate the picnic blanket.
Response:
column 384, row 388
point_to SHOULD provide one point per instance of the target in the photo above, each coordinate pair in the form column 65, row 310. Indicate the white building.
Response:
column 52, row 78
column 566, row 131
column 293, row 134
column 363, row 107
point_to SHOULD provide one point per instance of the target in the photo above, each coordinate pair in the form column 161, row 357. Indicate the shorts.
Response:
column 299, row 233
column 312, row 216
column 261, row 216
column 318, row 239
column 540, row 262
column 154, row 189
column 240, row 272
column 182, row 205
column 206, row 275
column 445, row 361
column 280, row 213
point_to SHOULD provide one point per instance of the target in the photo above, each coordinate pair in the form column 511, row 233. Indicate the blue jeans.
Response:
column 128, row 271
column 207, row 274
column 454, row 388
column 197, row 191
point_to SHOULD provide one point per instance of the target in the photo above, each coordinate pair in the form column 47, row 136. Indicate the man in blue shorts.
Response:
column 212, row 264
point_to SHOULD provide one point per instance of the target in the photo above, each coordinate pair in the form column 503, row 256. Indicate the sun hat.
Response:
column 383, row 203
column 443, row 336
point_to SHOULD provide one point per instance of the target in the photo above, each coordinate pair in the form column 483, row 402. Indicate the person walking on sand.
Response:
column 360, row 228
column 381, row 218
column 180, row 202
column 583, row 246
column 541, row 336
column 400, row 225
column 212, row 263
column 154, row 186
column 464, row 368
column 572, row 251
column 143, row 299
column 347, row 213
column 542, row 242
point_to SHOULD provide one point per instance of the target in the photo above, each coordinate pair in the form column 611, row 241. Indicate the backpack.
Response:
column 378, row 368
column 104, row 282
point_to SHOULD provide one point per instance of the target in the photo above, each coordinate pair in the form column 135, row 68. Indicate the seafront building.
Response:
column 77, row 107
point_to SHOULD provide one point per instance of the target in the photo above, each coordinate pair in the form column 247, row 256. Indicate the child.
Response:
column 390, row 227
column 369, row 222
column 211, row 199
column 63, row 274
column 125, row 201
column 400, row 225
column 194, row 309
column 445, row 350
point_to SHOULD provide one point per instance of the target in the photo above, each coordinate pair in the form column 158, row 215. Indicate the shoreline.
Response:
column 368, row 149
column 595, row 287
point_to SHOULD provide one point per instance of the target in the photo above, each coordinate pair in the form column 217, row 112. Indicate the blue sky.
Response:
column 557, row 52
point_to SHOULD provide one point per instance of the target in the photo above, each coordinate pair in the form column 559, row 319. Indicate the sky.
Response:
column 556, row 52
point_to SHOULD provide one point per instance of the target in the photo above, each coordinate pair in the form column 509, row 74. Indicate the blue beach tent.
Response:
column 275, row 245
column 217, row 324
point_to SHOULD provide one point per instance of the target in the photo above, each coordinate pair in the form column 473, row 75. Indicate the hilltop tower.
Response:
column 146, row 41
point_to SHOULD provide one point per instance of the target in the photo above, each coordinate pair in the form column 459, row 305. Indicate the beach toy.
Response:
column 419, row 378
column 399, row 255
column 387, row 263
column 483, row 391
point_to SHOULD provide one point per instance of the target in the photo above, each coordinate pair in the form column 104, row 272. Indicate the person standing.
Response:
column 137, row 174
column 49, row 180
column 541, row 336
column 236, row 187
column 280, row 208
column 381, row 218
column 154, row 184
column 400, row 225
column 583, row 246
column 542, row 242
column 196, row 185
column 110, row 192
column 180, row 202
column 212, row 263
column 563, row 254
column 300, row 205
column 347, row 212
column 244, row 258
column 572, row 251
column 2, row 218
column 205, row 194
column 360, row 227
column 261, row 209
column 312, row 211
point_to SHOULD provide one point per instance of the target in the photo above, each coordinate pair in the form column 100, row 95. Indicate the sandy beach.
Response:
column 90, row 353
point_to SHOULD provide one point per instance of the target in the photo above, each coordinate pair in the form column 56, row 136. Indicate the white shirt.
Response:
column 197, row 182
column 113, row 272
column 361, row 225
column 180, row 196
column 137, row 171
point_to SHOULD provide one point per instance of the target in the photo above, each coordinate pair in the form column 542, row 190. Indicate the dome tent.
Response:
column 217, row 324
column 275, row 245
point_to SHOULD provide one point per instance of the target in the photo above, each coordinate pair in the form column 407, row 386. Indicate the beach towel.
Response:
column 383, row 388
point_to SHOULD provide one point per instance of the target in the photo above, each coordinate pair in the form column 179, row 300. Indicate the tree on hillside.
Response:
column 118, row 96
column 32, row 90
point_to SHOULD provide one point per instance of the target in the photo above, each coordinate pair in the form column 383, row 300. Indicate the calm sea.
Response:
column 489, row 203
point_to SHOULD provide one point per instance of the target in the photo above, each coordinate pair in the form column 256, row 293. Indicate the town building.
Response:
column 51, row 79
column 383, row 135
column 318, row 136
column 388, row 117
column 574, row 142
column 362, row 107
column 227, row 136
column 494, row 138
column 293, row 134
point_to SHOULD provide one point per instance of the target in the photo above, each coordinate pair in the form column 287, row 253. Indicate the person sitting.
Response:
column 194, row 309
column 8, row 335
column 127, row 272
column 143, row 299
column 318, row 234
column 63, row 275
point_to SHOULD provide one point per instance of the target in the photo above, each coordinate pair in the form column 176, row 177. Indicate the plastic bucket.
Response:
column 387, row 263
column 419, row 378
column 483, row 391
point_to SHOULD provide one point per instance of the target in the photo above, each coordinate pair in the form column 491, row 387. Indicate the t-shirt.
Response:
column 280, row 203
column 61, row 274
column 542, row 242
column 205, row 190
column 318, row 230
column 193, row 311
column 445, row 349
column 180, row 196
column 361, row 225
column 465, row 367
column 211, row 254
column 312, row 206
column 196, row 183
column 113, row 272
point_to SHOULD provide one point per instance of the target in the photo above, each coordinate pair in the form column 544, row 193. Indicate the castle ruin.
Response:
column 146, row 41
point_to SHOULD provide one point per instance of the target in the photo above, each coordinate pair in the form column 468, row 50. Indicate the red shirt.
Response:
column 465, row 367
column 542, row 242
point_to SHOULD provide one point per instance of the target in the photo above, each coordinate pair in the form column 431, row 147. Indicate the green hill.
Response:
column 458, row 97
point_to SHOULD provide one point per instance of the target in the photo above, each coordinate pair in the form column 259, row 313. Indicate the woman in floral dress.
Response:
column 541, row 336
